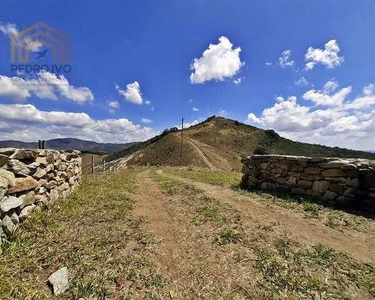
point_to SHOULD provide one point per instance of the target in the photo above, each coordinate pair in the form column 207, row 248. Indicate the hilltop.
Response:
column 219, row 143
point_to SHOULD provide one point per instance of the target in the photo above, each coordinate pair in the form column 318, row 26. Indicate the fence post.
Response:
column 92, row 164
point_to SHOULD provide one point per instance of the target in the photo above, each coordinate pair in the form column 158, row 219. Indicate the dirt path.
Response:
column 359, row 245
column 201, row 154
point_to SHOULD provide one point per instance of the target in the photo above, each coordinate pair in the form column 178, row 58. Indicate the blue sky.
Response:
column 138, row 66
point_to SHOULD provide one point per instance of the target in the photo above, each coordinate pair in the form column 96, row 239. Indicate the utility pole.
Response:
column 182, row 138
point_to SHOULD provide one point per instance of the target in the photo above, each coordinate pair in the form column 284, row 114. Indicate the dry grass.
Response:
column 201, row 248
column 93, row 233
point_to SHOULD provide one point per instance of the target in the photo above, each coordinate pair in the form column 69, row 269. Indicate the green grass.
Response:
column 90, row 233
column 293, row 271
column 221, row 178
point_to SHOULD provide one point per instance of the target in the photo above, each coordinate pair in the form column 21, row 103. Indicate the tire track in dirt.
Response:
column 201, row 154
column 359, row 245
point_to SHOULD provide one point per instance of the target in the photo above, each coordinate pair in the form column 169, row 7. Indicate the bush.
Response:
column 260, row 151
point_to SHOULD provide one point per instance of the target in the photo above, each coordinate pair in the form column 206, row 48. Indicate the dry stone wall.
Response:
column 348, row 182
column 34, row 178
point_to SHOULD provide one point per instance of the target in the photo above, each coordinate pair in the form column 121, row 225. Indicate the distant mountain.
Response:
column 71, row 143
column 219, row 143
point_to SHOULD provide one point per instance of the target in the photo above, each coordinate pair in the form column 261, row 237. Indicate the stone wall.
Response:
column 349, row 182
column 34, row 178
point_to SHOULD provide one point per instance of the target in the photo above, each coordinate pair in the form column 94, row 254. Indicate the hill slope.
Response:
column 64, row 143
column 219, row 143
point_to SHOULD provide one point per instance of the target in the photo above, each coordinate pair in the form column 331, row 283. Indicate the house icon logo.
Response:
column 40, row 35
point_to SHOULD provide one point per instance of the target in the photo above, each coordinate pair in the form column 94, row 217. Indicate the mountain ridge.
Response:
column 74, row 143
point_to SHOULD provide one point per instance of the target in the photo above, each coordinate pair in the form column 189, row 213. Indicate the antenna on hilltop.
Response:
column 182, row 138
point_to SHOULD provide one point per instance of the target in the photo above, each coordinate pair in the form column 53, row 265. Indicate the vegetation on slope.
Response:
column 224, row 142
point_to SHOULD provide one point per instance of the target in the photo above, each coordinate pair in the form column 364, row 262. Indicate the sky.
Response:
column 302, row 68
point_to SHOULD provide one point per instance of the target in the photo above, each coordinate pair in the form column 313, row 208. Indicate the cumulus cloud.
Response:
column 329, row 56
column 327, row 96
column 132, row 93
column 26, row 122
column 195, row 108
column 44, row 86
column 238, row 80
column 285, row 59
column 218, row 62
column 338, row 123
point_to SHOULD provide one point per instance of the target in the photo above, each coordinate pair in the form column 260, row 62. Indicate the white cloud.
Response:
column 147, row 102
column 114, row 104
column 238, row 80
column 285, row 59
column 218, row 62
column 301, row 81
column 132, row 93
column 45, row 86
column 144, row 120
column 340, row 123
column 326, row 97
column 268, row 63
column 26, row 122
column 328, row 56
column 195, row 109
column 222, row 112
column 9, row 29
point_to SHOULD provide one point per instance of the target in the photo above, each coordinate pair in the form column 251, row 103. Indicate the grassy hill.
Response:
column 220, row 143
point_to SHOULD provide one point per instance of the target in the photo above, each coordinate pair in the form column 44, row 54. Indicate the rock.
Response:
column 40, row 173
column 8, row 225
column 9, row 203
column 28, row 198
column 9, row 176
column 3, row 183
column 334, row 164
column 297, row 191
column 350, row 192
column 304, row 183
column 330, row 195
column 353, row 182
column 338, row 189
column 26, row 211
column 42, row 160
column 333, row 173
column 23, row 184
column 3, row 159
column 51, row 184
column 297, row 168
column 320, row 187
column 24, row 154
column 312, row 170
column 18, row 167
column 281, row 180
column 292, row 180
column 33, row 165
column 59, row 281
column 7, row 151
column 15, row 219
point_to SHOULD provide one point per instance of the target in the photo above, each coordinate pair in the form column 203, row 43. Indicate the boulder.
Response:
column 59, row 281
column 42, row 160
column 298, row 191
column 320, row 186
column 26, row 211
column 333, row 173
column 8, row 226
column 311, row 170
column 28, row 198
column 18, row 167
column 305, row 183
column 3, row 159
column 9, row 203
column 330, row 195
column 40, row 173
column 7, row 151
column 15, row 219
column 23, row 184
column 22, row 154
column 9, row 176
